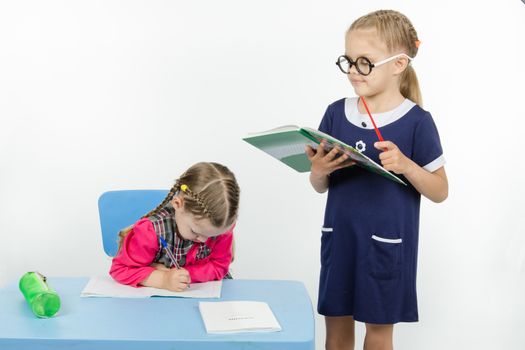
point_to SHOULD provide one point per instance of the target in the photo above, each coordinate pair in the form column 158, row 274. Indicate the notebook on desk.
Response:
column 107, row 287
column 238, row 316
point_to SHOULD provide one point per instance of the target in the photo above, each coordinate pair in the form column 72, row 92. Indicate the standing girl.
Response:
column 370, row 234
column 195, row 221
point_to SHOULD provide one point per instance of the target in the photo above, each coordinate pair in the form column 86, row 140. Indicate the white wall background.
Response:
column 101, row 95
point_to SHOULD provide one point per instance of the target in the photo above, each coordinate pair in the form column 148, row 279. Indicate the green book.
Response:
column 287, row 143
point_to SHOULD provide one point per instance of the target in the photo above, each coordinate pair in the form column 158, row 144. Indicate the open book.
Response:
column 287, row 144
column 238, row 316
column 106, row 287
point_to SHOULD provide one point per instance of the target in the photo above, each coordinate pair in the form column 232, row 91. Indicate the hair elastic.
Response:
column 417, row 44
column 184, row 188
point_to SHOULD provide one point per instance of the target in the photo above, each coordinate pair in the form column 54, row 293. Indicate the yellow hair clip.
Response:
column 184, row 188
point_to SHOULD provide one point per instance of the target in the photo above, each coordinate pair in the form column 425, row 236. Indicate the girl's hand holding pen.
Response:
column 176, row 280
column 392, row 159
column 324, row 163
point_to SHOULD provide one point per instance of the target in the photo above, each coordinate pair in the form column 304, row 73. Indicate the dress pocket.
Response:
column 326, row 245
column 385, row 256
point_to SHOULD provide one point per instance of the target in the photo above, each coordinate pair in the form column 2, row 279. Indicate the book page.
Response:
column 238, row 316
column 279, row 129
column 109, row 288
column 283, row 151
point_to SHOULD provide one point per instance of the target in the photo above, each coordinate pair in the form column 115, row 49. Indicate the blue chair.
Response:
column 119, row 209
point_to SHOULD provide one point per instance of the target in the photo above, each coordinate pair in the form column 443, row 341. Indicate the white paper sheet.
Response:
column 107, row 287
column 238, row 316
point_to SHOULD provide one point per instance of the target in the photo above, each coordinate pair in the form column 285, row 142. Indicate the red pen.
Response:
column 379, row 136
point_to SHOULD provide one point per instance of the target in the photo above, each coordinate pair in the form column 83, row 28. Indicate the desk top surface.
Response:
column 152, row 323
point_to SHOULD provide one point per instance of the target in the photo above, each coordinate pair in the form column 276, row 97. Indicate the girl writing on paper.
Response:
column 370, row 234
column 195, row 221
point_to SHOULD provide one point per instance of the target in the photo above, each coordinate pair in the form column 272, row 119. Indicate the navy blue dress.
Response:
column 370, row 233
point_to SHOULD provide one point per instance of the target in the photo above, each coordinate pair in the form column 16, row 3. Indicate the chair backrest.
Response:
column 119, row 209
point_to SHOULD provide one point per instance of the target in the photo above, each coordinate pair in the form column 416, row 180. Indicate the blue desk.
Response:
column 154, row 323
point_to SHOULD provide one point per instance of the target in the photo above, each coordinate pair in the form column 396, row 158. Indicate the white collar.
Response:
column 381, row 119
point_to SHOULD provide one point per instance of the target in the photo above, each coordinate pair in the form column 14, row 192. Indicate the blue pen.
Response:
column 170, row 254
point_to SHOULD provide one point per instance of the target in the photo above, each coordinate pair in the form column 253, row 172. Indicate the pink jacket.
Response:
column 132, row 263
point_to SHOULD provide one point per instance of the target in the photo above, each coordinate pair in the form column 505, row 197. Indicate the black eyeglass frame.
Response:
column 354, row 63
column 368, row 62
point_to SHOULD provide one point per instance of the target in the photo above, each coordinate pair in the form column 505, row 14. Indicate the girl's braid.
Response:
column 197, row 199
column 166, row 200
column 390, row 18
column 123, row 233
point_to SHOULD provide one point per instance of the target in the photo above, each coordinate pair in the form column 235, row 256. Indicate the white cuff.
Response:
column 435, row 164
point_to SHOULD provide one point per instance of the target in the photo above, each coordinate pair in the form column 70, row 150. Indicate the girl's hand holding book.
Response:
column 324, row 163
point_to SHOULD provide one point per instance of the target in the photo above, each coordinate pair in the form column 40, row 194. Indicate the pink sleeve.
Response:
column 216, row 266
column 132, row 263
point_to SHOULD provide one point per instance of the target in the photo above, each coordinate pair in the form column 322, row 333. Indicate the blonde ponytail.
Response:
column 409, row 86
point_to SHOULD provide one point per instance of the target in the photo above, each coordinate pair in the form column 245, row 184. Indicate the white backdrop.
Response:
column 102, row 95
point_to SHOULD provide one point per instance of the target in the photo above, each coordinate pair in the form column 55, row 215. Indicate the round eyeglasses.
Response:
column 362, row 64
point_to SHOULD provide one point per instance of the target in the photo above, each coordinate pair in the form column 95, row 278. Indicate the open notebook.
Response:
column 287, row 144
column 238, row 316
column 107, row 287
